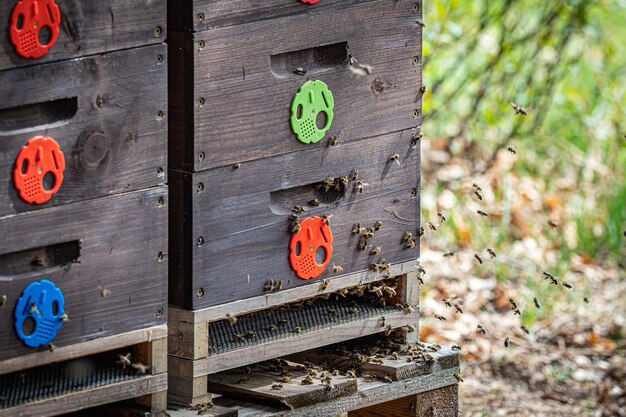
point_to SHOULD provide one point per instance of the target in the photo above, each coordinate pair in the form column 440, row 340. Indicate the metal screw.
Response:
column 201, row 156
column 158, row 31
column 160, row 114
column 160, row 257
column 199, row 241
column 159, row 58
column 416, row 60
column 201, row 101
column 160, row 311
column 160, row 202
column 201, row 45
column 199, row 187
column 200, row 17
column 200, row 292
column 160, row 172
column 416, row 7
column 416, row 113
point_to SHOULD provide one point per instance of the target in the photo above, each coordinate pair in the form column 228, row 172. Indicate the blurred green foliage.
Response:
column 565, row 61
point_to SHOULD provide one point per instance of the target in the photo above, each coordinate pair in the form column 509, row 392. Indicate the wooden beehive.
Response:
column 236, row 168
column 100, row 93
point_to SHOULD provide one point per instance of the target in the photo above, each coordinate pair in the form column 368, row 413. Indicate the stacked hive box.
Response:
column 237, row 170
column 83, row 206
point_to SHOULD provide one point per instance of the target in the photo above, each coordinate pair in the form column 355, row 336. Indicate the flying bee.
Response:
column 448, row 254
column 432, row 227
column 332, row 141
column 536, row 302
column 524, row 329
column 360, row 186
column 140, row 368
column 442, row 218
column 337, row 269
column 447, row 303
column 238, row 337
column 104, row 291
column 478, row 258
column 506, row 342
column 519, row 109
column 513, row 303
column 416, row 139
column 458, row 378
column 407, row 236
column 547, row 275
column 315, row 202
column 232, row 320
column 458, row 309
column 277, row 386
column 326, row 218
column 491, row 253
column 516, row 312
column 395, row 157
column 476, row 187
column 566, row 285
column 323, row 285
column 375, row 250
column 481, row 329
column 421, row 231
column 512, row 150
column 123, row 360
column 440, row 318
column 482, row 213
column 299, row 71
column 554, row 281
column 455, row 347
column 552, row 224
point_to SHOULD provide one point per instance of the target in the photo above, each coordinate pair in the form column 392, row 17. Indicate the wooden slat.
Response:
column 92, row 397
column 106, row 123
column 276, row 348
column 442, row 401
column 247, row 101
column 186, row 390
column 119, row 282
column 257, row 386
column 277, row 298
column 92, row 27
column 242, row 219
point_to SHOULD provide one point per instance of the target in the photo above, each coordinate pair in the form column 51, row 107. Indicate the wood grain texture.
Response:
column 198, row 15
column 257, row 386
column 185, row 390
column 244, row 224
column 121, row 238
column 90, row 397
column 91, row 27
column 440, row 402
column 246, row 111
column 281, row 347
column 369, row 393
column 115, row 142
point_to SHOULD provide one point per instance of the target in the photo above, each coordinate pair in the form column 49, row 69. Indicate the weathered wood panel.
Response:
column 104, row 113
column 118, row 283
column 91, row 27
column 244, row 81
column 198, row 15
column 241, row 218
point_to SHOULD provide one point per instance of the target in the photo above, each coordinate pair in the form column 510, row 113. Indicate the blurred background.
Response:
column 553, row 186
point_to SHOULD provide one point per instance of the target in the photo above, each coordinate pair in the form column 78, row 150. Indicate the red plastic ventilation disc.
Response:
column 29, row 17
column 41, row 156
column 309, row 1
column 314, row 233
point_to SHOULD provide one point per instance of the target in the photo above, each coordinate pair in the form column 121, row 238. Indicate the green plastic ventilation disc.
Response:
column 312, row 98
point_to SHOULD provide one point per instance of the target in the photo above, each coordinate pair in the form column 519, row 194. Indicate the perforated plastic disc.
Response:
column 28, row 19
column 312, row 98
column 314, row 234
column 38, row 313
column 39, row 157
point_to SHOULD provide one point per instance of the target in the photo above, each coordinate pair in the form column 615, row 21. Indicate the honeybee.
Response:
column 408, row 308
column 295, row 227
column 332, row 311
column 315, row 202
column 277, row 386
column 455, row 347
column 416, row 139
column 440, row 318
column 326, row 218
column 586, row 300
column 332, row 141
column 566, row 285
column 328, row 183
column 123, row 360
column 387, row 379
column 375, row 250
column 481, row 329
column 323, row 285
column 513, row 303
column 299, row 71
column 307, row 380
column 506, row 342
column 458, row 308
column 342, row 181
column 458, row 378
column 350, row 374
column 448, row 254
column 237, row 165
column 482, row 213
column 297, row 329
column 442, row 218
column 478, row 258
column 337, row 269
column 552, row 224
column 51, row 347
column 238, row 337
column 421, row 231
column 286, row 378
column 232, row 320
column 362, row 243
column 140, row 367
column 360, row 186
column 519, row 109
column 491, row 253
column 447, row 303
column 410, row 244
column 250, row 334
column 395, row 157
column 410, row 327
column 524, row 329
column 354, row 175
column 547, row 275
column 273, row 328
column 478, row 195
column 378, row 225
column 368, row 233
column 104, row 291
column 294, row 217
column 64, row 317
column 432, row 227
column 516, row 312
column 407, row 236
column 512, row 150
column 3, row 300
column 536, row 302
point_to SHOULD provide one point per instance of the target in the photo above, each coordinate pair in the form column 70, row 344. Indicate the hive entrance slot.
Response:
column 37, row 116
column 311, row 60
column 37, row 260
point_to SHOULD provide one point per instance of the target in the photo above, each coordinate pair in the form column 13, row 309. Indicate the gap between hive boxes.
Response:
column 86, row 375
